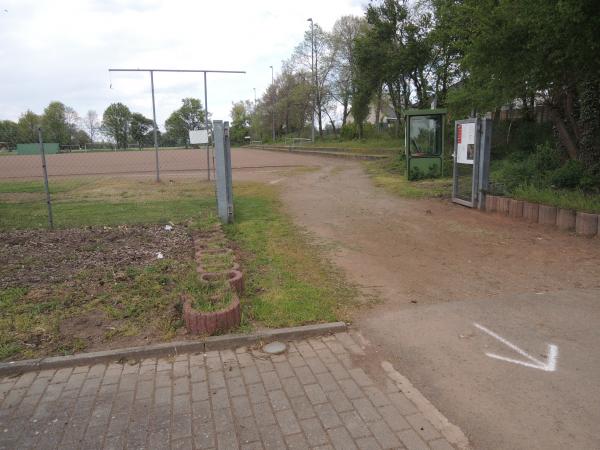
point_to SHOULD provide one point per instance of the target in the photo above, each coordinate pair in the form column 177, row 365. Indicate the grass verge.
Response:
column 390, row 175
column 289, row 282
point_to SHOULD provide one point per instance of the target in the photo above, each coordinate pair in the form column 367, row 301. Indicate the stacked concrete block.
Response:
column 531, row 212
column 490, row 203
column 584, row 224
column 547, row 215
column 515, row 208
column 587, row 224
column 502, row 205
column 211, row 322
column 565, row 219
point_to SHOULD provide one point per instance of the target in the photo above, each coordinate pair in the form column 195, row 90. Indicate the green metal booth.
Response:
column 424, row 142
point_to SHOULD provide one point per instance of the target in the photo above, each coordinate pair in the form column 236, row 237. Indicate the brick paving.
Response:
column 317, row 396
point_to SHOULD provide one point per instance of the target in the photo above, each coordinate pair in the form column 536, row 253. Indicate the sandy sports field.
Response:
column 179, row 161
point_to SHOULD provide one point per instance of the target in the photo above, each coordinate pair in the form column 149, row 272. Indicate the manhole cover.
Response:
column 275, row 348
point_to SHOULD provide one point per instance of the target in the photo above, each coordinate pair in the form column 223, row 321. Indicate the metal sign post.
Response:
column 46, row 186
column 223, row 171
column 472, row 141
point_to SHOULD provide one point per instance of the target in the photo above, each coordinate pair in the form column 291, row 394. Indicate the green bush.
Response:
column 349, row 131
column 567, row 176
column 545, row 168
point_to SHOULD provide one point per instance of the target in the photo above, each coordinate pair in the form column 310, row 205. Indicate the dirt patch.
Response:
column 88, row 289
column 34, row 257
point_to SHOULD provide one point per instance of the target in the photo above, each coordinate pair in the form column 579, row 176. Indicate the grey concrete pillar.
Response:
column 223, row 171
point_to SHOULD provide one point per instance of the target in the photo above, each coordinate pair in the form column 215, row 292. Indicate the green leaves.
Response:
column 189, row 117
column 115, row 123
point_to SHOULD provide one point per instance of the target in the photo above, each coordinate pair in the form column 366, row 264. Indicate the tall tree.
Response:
column 190, row 116
column 241, row 113
column 538, row 51
column 28, row 125
column 115, row 123
column 9, row 132
column 323, row 70
column 92, row 124
column 55, row 125
column 345, row 31
column 73, row 120
column 139, row 127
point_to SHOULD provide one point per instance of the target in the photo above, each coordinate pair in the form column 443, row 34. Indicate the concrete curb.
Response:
column 228, row 341
column 334, row 154
column 582, row 223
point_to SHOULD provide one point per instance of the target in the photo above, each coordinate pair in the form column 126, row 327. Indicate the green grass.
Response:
column 77, row 214
column 288, row 280
column 37, row 186
column 88, row 202
column 568, row 199
column 141, row 302
column 390, row 175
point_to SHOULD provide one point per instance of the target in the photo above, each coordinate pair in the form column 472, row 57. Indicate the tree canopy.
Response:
column 190, row 116
column 115, row 123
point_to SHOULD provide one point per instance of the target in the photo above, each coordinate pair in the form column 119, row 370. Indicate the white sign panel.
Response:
column 465, row 143
column 198, row 137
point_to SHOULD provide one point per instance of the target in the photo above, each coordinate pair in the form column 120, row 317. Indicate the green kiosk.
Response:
column 424, row 142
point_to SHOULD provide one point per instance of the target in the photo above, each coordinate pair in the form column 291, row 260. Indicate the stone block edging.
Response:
column 584, row 224
column 587, row 224
column 228, row 341
column 208, row 323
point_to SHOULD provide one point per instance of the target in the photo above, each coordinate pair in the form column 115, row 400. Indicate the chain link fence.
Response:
column 54, row 187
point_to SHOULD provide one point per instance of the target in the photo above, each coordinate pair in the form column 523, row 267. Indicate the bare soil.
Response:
column 89, row 289
column 143, row 163
column 431, row 251
column 33, row 258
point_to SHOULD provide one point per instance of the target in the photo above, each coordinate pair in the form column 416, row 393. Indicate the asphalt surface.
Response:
column 502, row 404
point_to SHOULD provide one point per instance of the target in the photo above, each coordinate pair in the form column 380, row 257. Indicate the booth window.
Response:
column 425, row 134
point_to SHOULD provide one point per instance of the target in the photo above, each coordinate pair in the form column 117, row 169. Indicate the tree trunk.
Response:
column 345, row 113
column 563, row 133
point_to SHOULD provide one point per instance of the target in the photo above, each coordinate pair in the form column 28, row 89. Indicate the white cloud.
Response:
column 61, row 50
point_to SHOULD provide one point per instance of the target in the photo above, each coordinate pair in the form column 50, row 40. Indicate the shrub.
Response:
column 567, row 176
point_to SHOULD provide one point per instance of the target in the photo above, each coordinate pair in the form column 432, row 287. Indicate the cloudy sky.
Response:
column 62, row 50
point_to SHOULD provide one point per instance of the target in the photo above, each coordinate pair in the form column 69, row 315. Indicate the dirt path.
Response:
column 431, row 251
column 438, row 268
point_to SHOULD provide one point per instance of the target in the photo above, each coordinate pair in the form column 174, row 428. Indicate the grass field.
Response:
column 288, row 282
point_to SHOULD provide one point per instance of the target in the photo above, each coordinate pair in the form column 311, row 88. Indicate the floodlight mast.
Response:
column 154, row 107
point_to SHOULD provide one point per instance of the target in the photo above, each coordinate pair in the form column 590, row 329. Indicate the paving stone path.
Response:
column 317, row 395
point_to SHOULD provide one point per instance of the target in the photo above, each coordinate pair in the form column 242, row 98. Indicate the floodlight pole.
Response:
column 154, row 108
column 312, row 72
column 155, row 127
column 272, row 104
column 206, row 126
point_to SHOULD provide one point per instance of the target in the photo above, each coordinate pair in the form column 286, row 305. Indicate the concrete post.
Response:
column 223, row 171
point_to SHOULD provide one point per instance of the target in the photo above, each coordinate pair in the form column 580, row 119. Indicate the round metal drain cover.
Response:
column 275, row 348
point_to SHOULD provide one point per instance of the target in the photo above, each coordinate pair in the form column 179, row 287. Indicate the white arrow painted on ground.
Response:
column 548, row 366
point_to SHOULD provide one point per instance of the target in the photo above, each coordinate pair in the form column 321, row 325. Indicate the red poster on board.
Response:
column 459, row 134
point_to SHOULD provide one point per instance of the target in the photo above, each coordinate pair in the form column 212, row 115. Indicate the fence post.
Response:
column 223, row 171
column 46, row 187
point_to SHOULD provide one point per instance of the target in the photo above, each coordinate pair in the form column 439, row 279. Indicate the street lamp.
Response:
column 272, row 105
column 312, row 73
